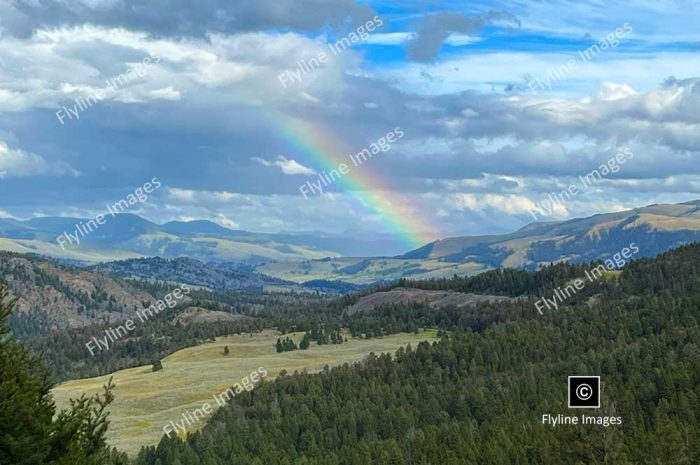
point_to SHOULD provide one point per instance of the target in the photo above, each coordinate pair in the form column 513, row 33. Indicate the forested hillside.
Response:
column 478, row 396
column 65, row 352
column 218, row 276
column 55, row 296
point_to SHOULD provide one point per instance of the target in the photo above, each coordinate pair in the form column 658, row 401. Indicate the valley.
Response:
column 349, row 232
column 222, row 258
column 242, row 308
column 487, row 341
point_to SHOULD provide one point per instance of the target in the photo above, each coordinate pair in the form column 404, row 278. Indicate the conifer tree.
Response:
column 157, row 365
column 30, row 431
column 305, row 342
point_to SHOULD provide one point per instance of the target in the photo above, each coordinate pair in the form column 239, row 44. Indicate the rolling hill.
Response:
column 434, row 299
column 60, row 296
column 655, row 229
column 130, row 236
column 320, row 258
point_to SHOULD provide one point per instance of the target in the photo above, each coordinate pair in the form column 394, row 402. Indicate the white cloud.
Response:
column 614, row 91
column 199, row 197
column 485, row 72
column 52, row 67
column 227, row 222
column 389, row 38
column 462, row 39
column 400, row 38
column 288, row 167
column 15, row 163
column 166, row 93
column 509, row 204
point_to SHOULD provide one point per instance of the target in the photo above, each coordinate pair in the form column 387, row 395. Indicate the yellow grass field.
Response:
column 146, row 401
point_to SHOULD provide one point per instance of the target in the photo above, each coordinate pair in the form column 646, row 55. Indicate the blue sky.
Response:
column 481, row 149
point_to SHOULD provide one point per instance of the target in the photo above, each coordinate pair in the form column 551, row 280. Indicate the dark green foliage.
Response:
column 505, row 281
column 285, row 345
column 478, row 396
column 323, row 335
column 220, row 276
column 157, row 338
column 66, row 354
column 305, row 341
column 226, row 351
column 31, row 433
column 157, row 365
column 289, row 345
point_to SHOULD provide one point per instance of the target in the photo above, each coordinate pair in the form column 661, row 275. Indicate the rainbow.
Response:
column 322, row 149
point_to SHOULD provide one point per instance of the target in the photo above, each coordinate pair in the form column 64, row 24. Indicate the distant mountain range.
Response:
column 654, row 229
column 59, row 295
column 130, row 236
column 321, row 258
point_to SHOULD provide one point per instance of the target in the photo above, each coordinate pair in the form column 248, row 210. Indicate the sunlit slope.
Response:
column 366, row 270
column 146, row 401
column 655, row 229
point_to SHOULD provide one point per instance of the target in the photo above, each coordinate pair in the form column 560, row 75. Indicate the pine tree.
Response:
column 305, row 342
column 31, row 433
column 157, row 365
column 289, row 345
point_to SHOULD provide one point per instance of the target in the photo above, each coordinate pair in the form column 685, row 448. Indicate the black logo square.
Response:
column 584, row 391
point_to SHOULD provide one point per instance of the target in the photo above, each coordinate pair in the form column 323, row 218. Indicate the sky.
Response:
column 470, row 115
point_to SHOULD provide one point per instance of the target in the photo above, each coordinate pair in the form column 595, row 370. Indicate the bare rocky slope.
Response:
column 59, row 296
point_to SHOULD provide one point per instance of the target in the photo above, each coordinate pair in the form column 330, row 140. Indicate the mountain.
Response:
column 127, row 236
column 54, row 295
column 130, row 236
column 322, row 258
column 654, row 229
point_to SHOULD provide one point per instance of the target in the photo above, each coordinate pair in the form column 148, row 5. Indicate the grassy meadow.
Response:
column 146, row 401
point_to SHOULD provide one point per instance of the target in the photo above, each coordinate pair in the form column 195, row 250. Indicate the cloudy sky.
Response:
column 235, row 105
